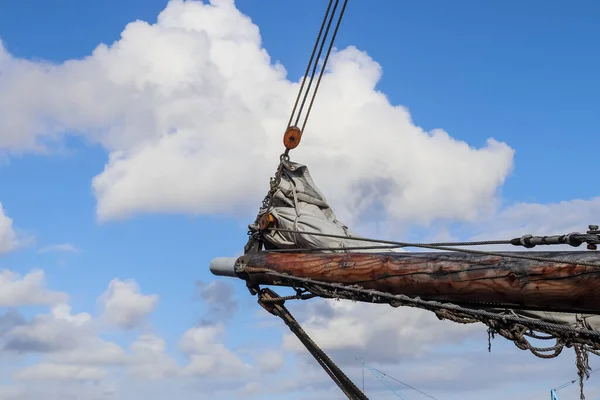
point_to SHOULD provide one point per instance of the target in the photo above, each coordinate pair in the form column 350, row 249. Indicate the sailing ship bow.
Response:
column 297, row 241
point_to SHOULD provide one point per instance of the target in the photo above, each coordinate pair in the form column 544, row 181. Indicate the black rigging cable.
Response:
column 566, row 384
column 324, row 63
column 310, row 62
column 433, row 246
column 313, row 63
column 316, row 62
column 405, row 384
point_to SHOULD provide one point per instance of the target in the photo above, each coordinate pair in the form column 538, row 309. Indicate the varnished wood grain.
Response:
column 455, row 277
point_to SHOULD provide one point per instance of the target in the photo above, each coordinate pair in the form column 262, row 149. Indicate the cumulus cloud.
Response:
column 348, row 329
column 70, row 347
column 548, row 219
column 124, row 305
column 208, row 355
column 219, row 299
column 149, row 359
column 8, row 237
column 270, row 361
column 17, row 290
column 91, row 350
column 191, row 101
column 46, row 333
column 61, row 372
column 530, row 218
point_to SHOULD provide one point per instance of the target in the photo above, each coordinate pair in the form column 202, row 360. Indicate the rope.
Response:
column 318, row 249
column 435, row 246
column 312, row 56
column 325, row 62
column 314, row 69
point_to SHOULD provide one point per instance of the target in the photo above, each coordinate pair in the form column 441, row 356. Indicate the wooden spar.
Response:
column 449, row 276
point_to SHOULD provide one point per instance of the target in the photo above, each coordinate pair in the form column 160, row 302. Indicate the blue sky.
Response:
column 525, row 74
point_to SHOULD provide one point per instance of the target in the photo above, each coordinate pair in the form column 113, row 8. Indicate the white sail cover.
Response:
column 300, row 206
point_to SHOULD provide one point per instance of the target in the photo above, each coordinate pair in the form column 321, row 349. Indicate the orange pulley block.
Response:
column 292, row 137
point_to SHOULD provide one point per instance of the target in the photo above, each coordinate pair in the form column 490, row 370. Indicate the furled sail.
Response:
column 298, row 205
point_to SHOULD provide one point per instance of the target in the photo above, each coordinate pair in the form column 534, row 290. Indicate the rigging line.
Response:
column 363, row 379
column 445, row 248
column 314, row 70
column 324, row 64
column 405, row 384
column 312, row 56
column 316, row 249
column 566, row 384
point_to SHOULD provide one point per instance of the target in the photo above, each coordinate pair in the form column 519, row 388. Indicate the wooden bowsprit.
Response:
column 563, row 286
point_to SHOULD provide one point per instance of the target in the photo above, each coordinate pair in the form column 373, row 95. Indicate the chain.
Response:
column 267, row 203
column 275, row 181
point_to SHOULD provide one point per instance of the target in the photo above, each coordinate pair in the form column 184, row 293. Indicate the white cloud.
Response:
column 70, row 346
column 48, row 333
column 191, row 101
column 13, row 393
column 208, row 356
column 62, row 312
column 60, row 372
column 348, row 329
column 270, row 361
column 63, row 247
column 149, row 359
column 91, row 350
column 27, row 290
column 251, row 389
column 533, row 218
column 8, row 237
column 61, row 337
column 124, row 305
column 548, row 219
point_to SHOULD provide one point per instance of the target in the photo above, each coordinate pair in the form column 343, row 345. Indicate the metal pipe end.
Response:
column 223, row 266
